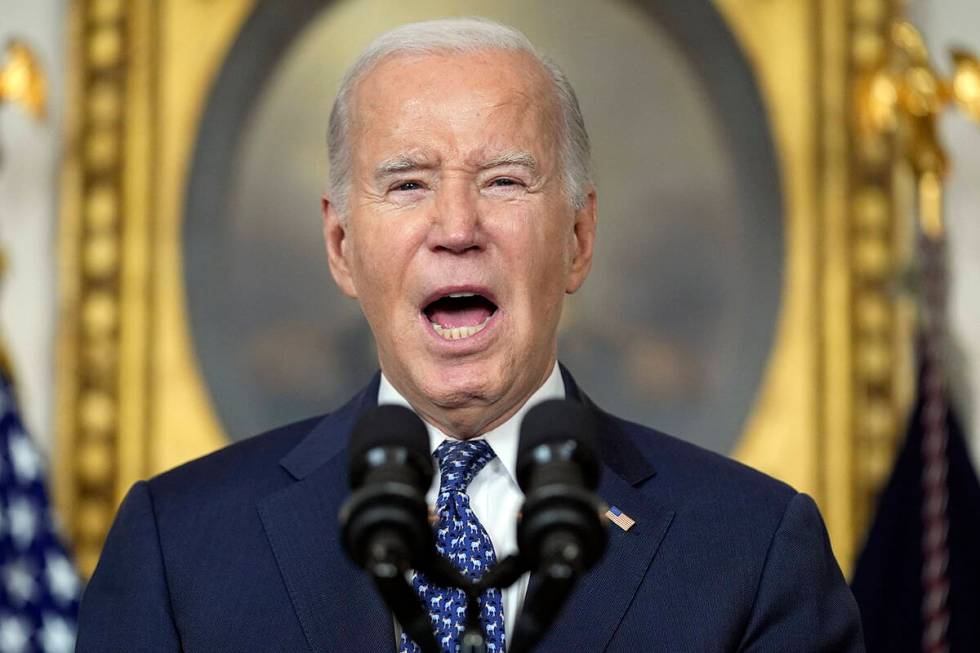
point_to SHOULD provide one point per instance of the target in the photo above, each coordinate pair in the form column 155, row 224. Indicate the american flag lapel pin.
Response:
column 620, row 518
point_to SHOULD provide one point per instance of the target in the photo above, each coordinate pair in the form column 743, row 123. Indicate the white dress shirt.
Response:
column 494, row 494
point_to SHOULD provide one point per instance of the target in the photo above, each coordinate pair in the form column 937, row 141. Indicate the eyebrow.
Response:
column 523, row 159
column 407, row 163
column 403, row 163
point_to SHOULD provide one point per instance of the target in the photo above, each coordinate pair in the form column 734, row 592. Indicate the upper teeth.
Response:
column 461, row 294
column 456, row 333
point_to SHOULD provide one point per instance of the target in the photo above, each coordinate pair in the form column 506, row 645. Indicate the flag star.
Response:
column 18, row 579
column 57, row 634
column 14, row 634
column 23, row 521
column 62, row 581
column 27, row 464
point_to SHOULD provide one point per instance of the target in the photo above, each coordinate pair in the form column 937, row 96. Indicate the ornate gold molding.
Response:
column 104, row 264
column 900, row 165
column 91, row 275
column 130, row 399
column 833, row 404
column 881, row 336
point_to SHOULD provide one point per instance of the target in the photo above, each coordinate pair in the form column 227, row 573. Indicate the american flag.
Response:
column 39, row 587
column 620, row 518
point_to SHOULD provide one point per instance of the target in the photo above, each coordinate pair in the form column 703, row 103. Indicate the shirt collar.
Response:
column 503, row 439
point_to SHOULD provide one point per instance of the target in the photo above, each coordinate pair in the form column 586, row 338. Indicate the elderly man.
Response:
column 460, row 212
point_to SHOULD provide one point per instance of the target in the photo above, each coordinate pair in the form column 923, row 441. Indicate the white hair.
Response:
column 458, row 35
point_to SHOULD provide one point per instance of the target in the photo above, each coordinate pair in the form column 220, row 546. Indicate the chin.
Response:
column 460, row 386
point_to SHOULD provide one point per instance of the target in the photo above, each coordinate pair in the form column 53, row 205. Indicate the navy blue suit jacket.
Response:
column 239, row 551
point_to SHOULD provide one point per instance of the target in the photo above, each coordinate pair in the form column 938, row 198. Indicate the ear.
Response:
column 338, row 246
column 583, row 243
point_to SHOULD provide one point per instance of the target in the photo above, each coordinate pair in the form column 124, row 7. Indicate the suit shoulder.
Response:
column 693, row 474
column 249, row 466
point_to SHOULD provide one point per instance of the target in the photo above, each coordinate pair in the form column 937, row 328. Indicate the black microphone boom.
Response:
column 390, row 470
column 558, row 470
column 560, row 534
column 385, row 522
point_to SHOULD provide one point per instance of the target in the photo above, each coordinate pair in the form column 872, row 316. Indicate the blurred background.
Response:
column 764, row 184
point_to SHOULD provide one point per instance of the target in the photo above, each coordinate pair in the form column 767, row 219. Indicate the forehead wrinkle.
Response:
column 523, row 103
column 527, row 106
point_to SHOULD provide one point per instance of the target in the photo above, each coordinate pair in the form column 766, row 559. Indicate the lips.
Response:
column 457, row 314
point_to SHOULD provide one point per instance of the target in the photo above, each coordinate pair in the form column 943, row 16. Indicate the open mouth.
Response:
column 460, row 315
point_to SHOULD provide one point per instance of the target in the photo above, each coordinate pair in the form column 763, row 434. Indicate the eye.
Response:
column 407, row 186
column 504, row 181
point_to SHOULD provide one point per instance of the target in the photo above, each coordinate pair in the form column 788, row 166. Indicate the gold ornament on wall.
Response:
column 22, row 81
column 903, row 98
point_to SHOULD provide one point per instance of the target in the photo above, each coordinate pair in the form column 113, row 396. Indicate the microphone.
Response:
column 385, row 522
column 558, row 470
column 560, row 534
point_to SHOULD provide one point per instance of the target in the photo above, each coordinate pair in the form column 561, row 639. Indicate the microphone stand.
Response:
column 472, row 640
column 540, row 609
column 385, row 563
column 562, row 560
column 401, row 599
column 537, row 615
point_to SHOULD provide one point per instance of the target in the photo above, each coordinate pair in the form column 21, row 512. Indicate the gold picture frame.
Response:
column 132, row 402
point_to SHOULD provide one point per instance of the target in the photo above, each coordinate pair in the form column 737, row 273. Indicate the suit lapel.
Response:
column 337, row 605
column 602, row 596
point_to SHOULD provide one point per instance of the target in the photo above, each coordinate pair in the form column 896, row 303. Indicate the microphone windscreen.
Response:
column 388, row 426
column 559, row 422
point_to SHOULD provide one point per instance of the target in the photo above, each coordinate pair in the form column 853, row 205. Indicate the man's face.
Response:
column 459, row 243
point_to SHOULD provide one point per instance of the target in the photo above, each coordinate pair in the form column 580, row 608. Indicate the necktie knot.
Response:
column 460, row 461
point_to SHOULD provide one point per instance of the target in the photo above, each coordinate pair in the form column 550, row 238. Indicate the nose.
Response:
column 456, row 224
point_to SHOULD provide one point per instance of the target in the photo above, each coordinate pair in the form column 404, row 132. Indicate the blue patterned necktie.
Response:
column 461, row 538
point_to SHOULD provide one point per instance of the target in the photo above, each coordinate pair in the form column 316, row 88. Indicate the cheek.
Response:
column 383, row 257
column 372, row 245
column 542, row 266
